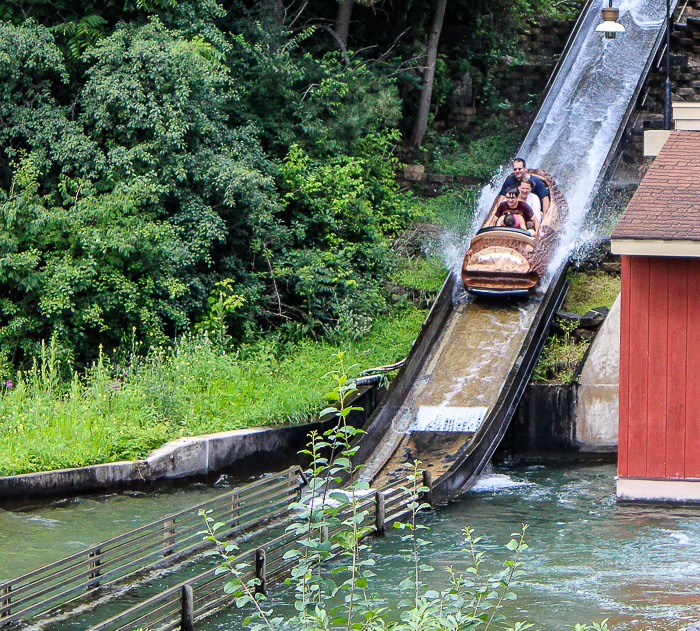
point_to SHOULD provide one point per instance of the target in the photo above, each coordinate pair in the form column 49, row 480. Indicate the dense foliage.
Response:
column 154, row 148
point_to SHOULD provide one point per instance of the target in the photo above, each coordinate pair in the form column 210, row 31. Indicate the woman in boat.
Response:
column 526, row 195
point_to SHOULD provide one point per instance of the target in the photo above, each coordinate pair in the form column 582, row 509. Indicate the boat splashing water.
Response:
column 573, row 136
column 471, row 364
column 579, row 123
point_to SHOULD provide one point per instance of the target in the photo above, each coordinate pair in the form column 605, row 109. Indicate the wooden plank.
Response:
column 638, row 366
column 657, row 368
column 692, row 407
column 623, row 423
column 676, row 372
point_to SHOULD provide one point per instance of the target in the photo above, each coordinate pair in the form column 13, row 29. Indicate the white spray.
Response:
column 582, row 122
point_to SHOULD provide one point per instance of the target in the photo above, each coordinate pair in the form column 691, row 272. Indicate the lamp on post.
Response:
column 610, row 26
column 667, row 87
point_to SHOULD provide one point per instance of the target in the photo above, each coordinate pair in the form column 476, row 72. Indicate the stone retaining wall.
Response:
column 520, row 82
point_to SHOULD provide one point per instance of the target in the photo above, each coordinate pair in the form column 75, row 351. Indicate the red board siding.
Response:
column 659, row 431
column 692, row 393
column 623, row 423
column 657, row 371
column 676, row 384
column 638, row 367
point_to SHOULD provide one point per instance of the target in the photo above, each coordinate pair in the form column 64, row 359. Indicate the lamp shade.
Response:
column 610, row 26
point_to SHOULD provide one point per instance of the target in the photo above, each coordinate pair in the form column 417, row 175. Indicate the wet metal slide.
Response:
column 452, row 402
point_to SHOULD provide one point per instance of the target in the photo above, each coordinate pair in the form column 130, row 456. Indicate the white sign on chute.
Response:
column 448, row 419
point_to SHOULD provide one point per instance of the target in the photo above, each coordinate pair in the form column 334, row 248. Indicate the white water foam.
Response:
column 581, row 125
column 588, row 110
column 497, row 482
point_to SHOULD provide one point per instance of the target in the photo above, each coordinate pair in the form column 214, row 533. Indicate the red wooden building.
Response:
column 658, row 238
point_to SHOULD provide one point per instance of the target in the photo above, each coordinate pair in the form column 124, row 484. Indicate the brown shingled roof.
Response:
column 667, row 203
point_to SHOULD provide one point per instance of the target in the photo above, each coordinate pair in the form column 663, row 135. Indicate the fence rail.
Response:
column 162, row 612
column 153, row 545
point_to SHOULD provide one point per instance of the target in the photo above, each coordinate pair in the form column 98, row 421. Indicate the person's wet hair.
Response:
column 512, row 191
column 521, row 160
column 509, row 220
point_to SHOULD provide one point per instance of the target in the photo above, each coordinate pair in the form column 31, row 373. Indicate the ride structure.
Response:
column 510, row 261
column 453, row 399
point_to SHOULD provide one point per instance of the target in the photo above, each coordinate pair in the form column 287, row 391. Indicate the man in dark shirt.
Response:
column 519, row 172
column 513, row 205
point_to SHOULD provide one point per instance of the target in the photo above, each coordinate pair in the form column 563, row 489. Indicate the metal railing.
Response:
column 163, row 611
column 156, row 544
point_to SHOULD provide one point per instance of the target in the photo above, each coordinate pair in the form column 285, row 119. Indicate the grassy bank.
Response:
column 562, row 352
column 591, row 289
column 116, row 412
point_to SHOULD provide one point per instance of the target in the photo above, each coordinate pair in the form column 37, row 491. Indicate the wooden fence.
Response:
column 161, row 542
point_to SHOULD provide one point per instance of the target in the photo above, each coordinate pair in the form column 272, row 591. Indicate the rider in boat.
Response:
column 513, row 205
column 512, row 221
column 526, row 195
column 519, row 172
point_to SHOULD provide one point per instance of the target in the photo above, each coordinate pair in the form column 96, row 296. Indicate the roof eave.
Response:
column 655, row 247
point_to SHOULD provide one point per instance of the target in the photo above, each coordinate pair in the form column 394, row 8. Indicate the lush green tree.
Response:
column 150, row 149
column 111, row 220
column 122, row 209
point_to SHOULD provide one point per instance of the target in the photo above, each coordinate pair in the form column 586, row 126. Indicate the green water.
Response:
column 38, row 534
column 590, row 558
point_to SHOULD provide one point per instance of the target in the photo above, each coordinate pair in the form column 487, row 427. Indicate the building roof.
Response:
column 666, row 206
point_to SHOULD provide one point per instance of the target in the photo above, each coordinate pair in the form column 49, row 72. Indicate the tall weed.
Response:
column 123, row 409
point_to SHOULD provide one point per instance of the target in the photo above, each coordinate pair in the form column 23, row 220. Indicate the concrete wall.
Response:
column 543, row 426
column 579, row 420
column 597, row 400
column 243, row 451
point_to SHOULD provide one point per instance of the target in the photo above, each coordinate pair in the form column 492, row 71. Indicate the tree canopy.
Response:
column 150, row 149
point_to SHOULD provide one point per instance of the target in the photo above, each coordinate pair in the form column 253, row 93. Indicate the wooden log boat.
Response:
column 511, row 261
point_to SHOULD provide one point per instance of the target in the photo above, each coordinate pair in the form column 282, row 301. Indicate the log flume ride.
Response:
column 454, row 396
column 511, row 261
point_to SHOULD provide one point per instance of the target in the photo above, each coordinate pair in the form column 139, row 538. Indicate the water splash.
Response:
column 575, row 130
column 587, row 112
column 496, row 482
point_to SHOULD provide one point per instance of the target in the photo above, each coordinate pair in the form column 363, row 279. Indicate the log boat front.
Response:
column 511, row 261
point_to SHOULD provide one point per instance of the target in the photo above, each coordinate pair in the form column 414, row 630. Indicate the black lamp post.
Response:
column 667, row 92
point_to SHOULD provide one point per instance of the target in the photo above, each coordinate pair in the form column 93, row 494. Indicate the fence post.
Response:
column 428, row 481
column 260, row 570
column 235, row 509
column 187, row 609
column 168, row 536
column 292, row 481
column 94, row 562
column 380, row 512
column 5, row 601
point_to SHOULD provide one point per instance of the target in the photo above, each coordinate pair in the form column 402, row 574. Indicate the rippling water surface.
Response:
column 589, row 558
column 33, row 536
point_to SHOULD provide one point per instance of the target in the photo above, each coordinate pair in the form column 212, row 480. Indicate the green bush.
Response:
column 497, row 142
column 426, row 274
column 589, row 290
column 168, row 173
